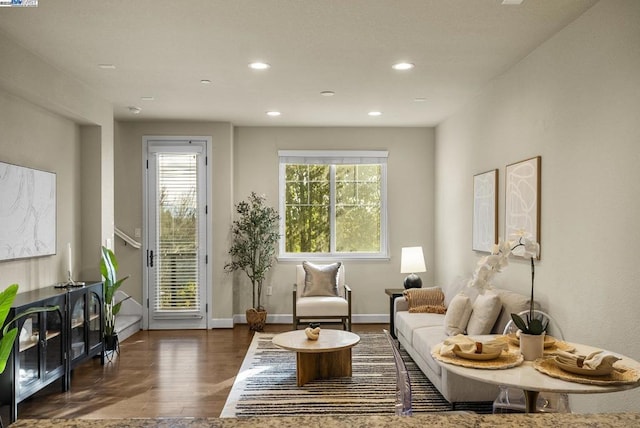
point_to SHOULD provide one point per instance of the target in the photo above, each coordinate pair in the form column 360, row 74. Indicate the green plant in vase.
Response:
column 496, row 262
column 529, row 250
column 253, row 248
column 109, row 270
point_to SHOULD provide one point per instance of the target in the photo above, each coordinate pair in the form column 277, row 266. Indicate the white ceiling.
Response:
column 164, row 48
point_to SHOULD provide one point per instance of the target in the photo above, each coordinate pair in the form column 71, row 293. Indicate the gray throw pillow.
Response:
column 320, row 280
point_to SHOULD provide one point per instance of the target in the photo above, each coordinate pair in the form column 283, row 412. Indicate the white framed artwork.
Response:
column 522, row 199
column 27, row 212
column 485, row 211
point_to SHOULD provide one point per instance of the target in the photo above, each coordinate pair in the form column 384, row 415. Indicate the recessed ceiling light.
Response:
column 403, row 66
column 259, row 65
column 107, row 66
column 134, row 110
column 205, row 81
column 147, row 98
column 273, row 113
column 419, row 99
column 375, row 113
column 327, row 93
column 512, row 2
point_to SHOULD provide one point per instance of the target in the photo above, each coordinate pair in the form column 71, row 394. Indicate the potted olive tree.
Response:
column 253, row 249
column 109, row 270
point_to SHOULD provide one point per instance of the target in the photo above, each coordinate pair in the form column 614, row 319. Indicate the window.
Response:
column 333, row 203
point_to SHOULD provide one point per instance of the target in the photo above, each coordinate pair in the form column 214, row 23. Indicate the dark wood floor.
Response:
column 175, row 373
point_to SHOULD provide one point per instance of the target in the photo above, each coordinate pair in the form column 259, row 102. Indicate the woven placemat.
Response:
column 506, row 360
column 559, row 345
column 621, row 375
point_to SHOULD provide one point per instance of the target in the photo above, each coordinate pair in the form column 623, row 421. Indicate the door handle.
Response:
column 150, row 262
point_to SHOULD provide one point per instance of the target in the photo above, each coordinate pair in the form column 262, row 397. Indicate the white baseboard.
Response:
column 370, row 319
column 288, row 319
column 221, row 322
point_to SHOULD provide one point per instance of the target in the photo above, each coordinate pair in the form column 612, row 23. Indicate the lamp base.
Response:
column 412, row 281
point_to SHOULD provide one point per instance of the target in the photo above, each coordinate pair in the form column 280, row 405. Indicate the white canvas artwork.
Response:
column 485, row 219
column 522, row 204
column 27, row 212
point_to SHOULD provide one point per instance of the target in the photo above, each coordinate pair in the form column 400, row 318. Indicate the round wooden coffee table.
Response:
column 327, row 357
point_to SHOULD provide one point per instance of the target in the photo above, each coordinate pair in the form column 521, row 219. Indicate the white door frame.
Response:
column 207, row 280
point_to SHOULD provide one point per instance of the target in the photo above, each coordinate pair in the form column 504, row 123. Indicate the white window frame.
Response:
column 333, row 157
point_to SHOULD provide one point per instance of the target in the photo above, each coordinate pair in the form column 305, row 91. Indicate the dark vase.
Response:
column 111, row 342
column 412, row 281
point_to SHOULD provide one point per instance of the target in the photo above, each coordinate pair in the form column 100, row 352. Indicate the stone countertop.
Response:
column 608, row 420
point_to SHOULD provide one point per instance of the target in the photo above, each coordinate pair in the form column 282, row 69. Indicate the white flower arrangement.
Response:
column 497, row 261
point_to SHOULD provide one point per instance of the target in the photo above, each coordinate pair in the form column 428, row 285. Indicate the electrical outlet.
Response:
column 270, row 290
column 137, row 232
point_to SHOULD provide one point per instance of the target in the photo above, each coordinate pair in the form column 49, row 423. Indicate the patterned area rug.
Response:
column 266, row 384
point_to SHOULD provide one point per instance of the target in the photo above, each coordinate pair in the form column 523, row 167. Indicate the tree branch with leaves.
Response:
column 254, row 238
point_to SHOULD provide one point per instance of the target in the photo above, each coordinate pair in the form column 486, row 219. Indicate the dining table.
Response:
column 543, row 374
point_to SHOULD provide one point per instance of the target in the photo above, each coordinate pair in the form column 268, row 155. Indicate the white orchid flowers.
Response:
column 498, row 260
column 525, row 247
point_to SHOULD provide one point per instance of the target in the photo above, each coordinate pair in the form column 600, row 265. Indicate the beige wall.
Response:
column 55, row 122
column 129, row 204
column 53, row 145
column 410, row 198
column 574, row 101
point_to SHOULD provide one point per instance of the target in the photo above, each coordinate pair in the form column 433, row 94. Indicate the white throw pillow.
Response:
column 320, row 280
column 485, row 312
column 457, row 316
column 512, row 303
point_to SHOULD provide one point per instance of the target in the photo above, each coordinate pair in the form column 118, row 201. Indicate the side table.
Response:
column 392, row 293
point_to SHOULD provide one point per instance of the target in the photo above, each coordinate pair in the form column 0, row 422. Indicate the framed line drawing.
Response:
column 27, row 212
column 485, row 211
column 522, row 198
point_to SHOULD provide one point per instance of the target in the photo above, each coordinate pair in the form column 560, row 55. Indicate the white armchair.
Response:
column 321, row 295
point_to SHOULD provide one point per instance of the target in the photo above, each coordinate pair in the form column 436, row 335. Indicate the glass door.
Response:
column 54, row 338
column 78, row 341
column 94, row 319
column 29, row 349
column 176, row 239
column 41, row 345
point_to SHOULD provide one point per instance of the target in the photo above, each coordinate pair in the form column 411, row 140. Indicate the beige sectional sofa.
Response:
column 418, row 333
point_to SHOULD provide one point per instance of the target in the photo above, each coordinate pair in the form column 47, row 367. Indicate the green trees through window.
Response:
column 177, row 285
column 333, row 208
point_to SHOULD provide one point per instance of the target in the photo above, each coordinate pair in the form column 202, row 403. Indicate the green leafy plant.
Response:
column 109, row 270
column 529, row 249
column 253, row 249
column 9, row 334
column 532, row 325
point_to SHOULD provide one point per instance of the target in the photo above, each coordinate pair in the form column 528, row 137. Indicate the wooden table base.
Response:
column 323, row 365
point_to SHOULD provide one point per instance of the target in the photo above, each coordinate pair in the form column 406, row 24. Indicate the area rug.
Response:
column 266, row 384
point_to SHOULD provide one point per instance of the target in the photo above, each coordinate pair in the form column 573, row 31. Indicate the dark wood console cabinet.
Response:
column 51, row 344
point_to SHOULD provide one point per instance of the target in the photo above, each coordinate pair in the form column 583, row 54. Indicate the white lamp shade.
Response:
column 412, row 260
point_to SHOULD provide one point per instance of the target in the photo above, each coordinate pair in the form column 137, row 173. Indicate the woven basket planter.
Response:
column 256, row 319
